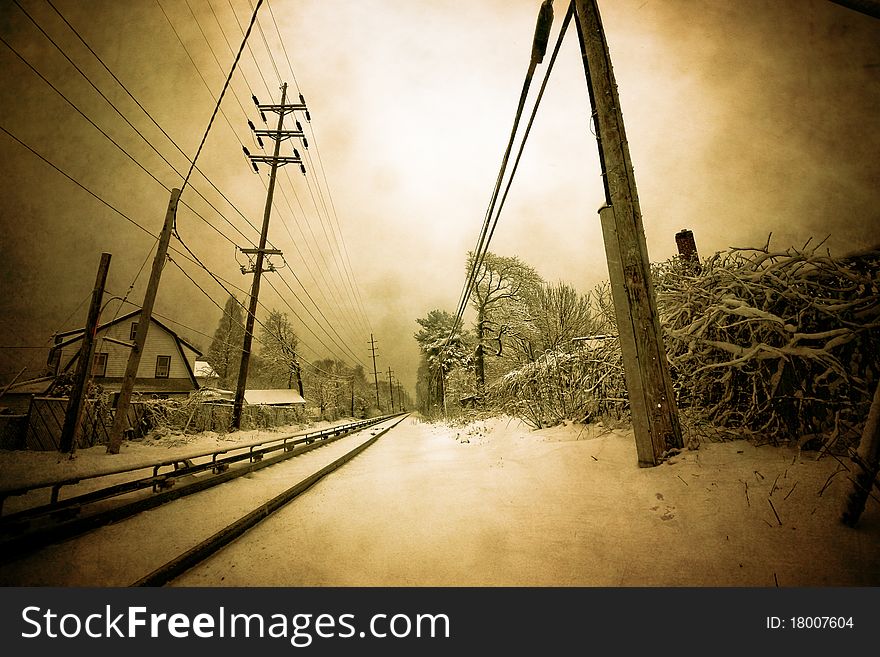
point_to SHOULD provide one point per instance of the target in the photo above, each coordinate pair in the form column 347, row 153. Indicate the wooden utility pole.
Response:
column 375, row 371
column 260, row 252
column 652, row 401
column 390, row 389
column 120, row 419
column 73, row 416
column 400, row 401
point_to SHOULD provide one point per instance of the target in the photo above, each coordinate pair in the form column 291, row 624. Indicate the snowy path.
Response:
column 514, row 507
column 558, row 507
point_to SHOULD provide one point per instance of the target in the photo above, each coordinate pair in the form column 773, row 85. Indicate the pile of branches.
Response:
column 781, row 344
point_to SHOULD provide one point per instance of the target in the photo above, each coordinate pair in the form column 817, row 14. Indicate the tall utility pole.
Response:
column 73, row 417
column 120, row 419
column 375, row 371
column 261, row 252
column 400, row 401
column 652, row 401
column 390, row 389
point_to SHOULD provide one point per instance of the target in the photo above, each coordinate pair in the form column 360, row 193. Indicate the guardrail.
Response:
column 182, row 465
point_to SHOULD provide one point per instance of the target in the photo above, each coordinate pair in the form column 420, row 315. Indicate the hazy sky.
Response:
column 743, row 117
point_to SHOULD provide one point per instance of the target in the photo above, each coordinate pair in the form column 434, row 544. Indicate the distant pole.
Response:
column 73, row 417
column 375, row 371
column 120, row 419
column 352, row 397
column 400, row 401
column 652, row 401
column 390, row 389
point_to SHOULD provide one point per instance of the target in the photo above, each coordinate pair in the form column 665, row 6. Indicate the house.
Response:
column 167, row 361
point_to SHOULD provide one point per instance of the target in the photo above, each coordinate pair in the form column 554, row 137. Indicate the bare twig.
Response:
column 790, row 492
column 774, row 511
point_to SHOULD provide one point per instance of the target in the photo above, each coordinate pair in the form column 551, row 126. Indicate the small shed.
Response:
column 276, row 397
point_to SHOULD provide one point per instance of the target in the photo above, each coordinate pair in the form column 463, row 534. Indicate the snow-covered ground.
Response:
column 495, row 503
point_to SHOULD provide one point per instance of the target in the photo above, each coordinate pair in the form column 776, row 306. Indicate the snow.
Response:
column 494, row 503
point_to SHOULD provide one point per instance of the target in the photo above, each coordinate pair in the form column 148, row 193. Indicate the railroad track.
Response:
column 26, row 531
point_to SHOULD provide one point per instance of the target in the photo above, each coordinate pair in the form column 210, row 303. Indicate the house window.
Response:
column 132, row 334
column 163, row 367
column 99, row 365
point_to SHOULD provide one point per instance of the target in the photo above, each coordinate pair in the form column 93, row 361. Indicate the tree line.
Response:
column 333, row 388
column 519, row 318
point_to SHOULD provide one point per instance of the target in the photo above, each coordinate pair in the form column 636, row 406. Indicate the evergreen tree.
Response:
column 224, row 354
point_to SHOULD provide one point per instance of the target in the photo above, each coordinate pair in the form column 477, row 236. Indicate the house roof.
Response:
column 75, row 334
column 273, row 397
column 277, row 397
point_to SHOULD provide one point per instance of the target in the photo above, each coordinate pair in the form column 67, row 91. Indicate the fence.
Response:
column 45, row 420
column 41, row 428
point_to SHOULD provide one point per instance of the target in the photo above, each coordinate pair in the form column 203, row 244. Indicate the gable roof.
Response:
column 75, row 334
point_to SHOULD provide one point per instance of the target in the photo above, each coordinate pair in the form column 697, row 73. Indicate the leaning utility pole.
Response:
column 652, row 401
column 73, row 417
column 261, row 252
column 390, row 389
column 120, row 419
column 375, row 372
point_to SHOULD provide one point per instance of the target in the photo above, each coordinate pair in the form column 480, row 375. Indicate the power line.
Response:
column 283, row 48
column 147, row 113
column 539, row 45
column 124, row 118
column 222, row 93
column 334, row 288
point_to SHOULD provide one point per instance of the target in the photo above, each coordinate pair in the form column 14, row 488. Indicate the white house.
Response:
column 166, row 366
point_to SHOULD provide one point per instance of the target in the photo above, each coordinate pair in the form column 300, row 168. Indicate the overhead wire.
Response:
column 193, row 257
column 222, row 93
column 542, row 30
column 146, row 112
column 124, row 118
column 350, row 290
column 216, row 18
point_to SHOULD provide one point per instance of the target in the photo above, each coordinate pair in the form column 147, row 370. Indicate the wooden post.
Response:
column 73, row 417
column 120, row 418
column 652, row 401
column 867, row 462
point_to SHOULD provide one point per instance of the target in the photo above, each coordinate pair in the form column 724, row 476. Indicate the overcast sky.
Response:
column 743, row 118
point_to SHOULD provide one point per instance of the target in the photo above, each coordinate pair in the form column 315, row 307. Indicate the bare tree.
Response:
column 278, row 351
